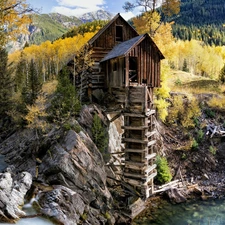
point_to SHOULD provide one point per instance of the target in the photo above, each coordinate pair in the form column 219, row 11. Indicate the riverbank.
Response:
column 189, row 213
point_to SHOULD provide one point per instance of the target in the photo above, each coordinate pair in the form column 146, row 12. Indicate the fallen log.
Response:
column 212, row 130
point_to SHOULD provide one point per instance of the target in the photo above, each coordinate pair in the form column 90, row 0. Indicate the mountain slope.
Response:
column 201, row 20
column 96, row 15
column 201, row 12
column 52, row 26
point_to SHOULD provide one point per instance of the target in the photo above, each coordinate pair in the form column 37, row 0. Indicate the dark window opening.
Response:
column 114, row 66
column 133, row 72
column 119, row 33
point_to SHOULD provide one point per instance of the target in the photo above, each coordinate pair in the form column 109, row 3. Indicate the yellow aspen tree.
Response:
column 13, row 19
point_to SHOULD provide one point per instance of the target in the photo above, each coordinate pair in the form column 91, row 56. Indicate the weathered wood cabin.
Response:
column 122, row 57
column 127, row 65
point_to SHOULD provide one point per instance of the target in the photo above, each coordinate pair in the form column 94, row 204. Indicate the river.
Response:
column 28, row 209
column 210, row 212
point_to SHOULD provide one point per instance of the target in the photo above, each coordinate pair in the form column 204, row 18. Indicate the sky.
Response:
column 79, row 7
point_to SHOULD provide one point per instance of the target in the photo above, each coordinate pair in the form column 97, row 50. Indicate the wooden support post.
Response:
column 139, row 168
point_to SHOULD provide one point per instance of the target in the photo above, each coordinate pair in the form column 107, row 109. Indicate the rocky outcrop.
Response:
column 176, row 196
column 62, row 204
column 12, row 192
column 68, row 172
column 74, row 166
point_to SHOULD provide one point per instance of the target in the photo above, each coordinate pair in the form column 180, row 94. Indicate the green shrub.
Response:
column 194, row 144
column 163, row 170
column 178, row 82
column 200, row 136
column 212, row 150
column 209, row 113
column 99, row 133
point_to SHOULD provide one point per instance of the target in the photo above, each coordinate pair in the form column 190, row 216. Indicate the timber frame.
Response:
column 126, row 65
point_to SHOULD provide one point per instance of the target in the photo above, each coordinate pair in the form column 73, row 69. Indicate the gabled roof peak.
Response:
column 106, row 26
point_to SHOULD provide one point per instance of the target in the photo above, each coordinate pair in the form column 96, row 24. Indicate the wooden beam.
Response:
column 134, row 175
column 151, row 156
column 149, row 134
column 150, row 168
column 141, row 164
column 135, row 150
column 134, row 140
column 149, row 178
column 134, row 115
column 133, row 182
column 150, row 143
column 115, row 117
column 136, row 167
column 134, row 128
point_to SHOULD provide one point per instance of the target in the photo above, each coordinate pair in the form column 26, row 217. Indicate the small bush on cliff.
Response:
column 163, row 170
column 99, row 133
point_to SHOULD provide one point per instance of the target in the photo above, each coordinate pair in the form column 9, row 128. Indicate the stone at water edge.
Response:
column 12, row 192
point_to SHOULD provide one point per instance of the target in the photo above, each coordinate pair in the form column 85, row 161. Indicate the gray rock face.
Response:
column 62, row 204
column 12, row 193
column 69, row 166
column 79, row 172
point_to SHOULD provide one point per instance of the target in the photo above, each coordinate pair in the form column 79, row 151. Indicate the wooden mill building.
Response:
column 127, row 65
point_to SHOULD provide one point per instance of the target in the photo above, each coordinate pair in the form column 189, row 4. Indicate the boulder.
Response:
column 12, row 192
column 176, row 196
column 62, row 205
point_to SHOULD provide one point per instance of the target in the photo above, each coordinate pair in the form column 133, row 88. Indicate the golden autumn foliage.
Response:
column 216, row 102
column 162, row 93
column 36, row 114
column 183, row 111
column 52, row 56
column 170, row 7
column 200, row 59
column 13, row 19
column 147, row 23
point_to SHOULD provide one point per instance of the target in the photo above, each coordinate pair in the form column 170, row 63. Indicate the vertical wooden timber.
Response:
column 127, row 71
column 140, row 168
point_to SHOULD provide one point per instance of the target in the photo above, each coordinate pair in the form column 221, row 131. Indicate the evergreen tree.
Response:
column 66, row 102
column 185, row 66
column 6, row 86
column 21, row 74
column 222, row 74
column 33, row 86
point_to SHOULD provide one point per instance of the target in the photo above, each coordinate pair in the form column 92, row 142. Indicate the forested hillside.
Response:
column 50, row 26
column 201, row 20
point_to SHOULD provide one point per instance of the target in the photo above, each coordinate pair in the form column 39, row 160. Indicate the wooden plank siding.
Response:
column 148, row 65
column 107, row 39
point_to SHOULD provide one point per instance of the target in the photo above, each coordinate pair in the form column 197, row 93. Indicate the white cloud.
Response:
column 78, row 7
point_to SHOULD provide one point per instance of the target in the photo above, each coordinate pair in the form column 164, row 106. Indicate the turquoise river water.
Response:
column 210, row 212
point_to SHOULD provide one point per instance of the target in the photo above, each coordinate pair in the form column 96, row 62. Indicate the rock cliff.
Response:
column 68, row 170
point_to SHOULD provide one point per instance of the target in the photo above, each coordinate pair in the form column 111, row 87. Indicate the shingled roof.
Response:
column 123, row 48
